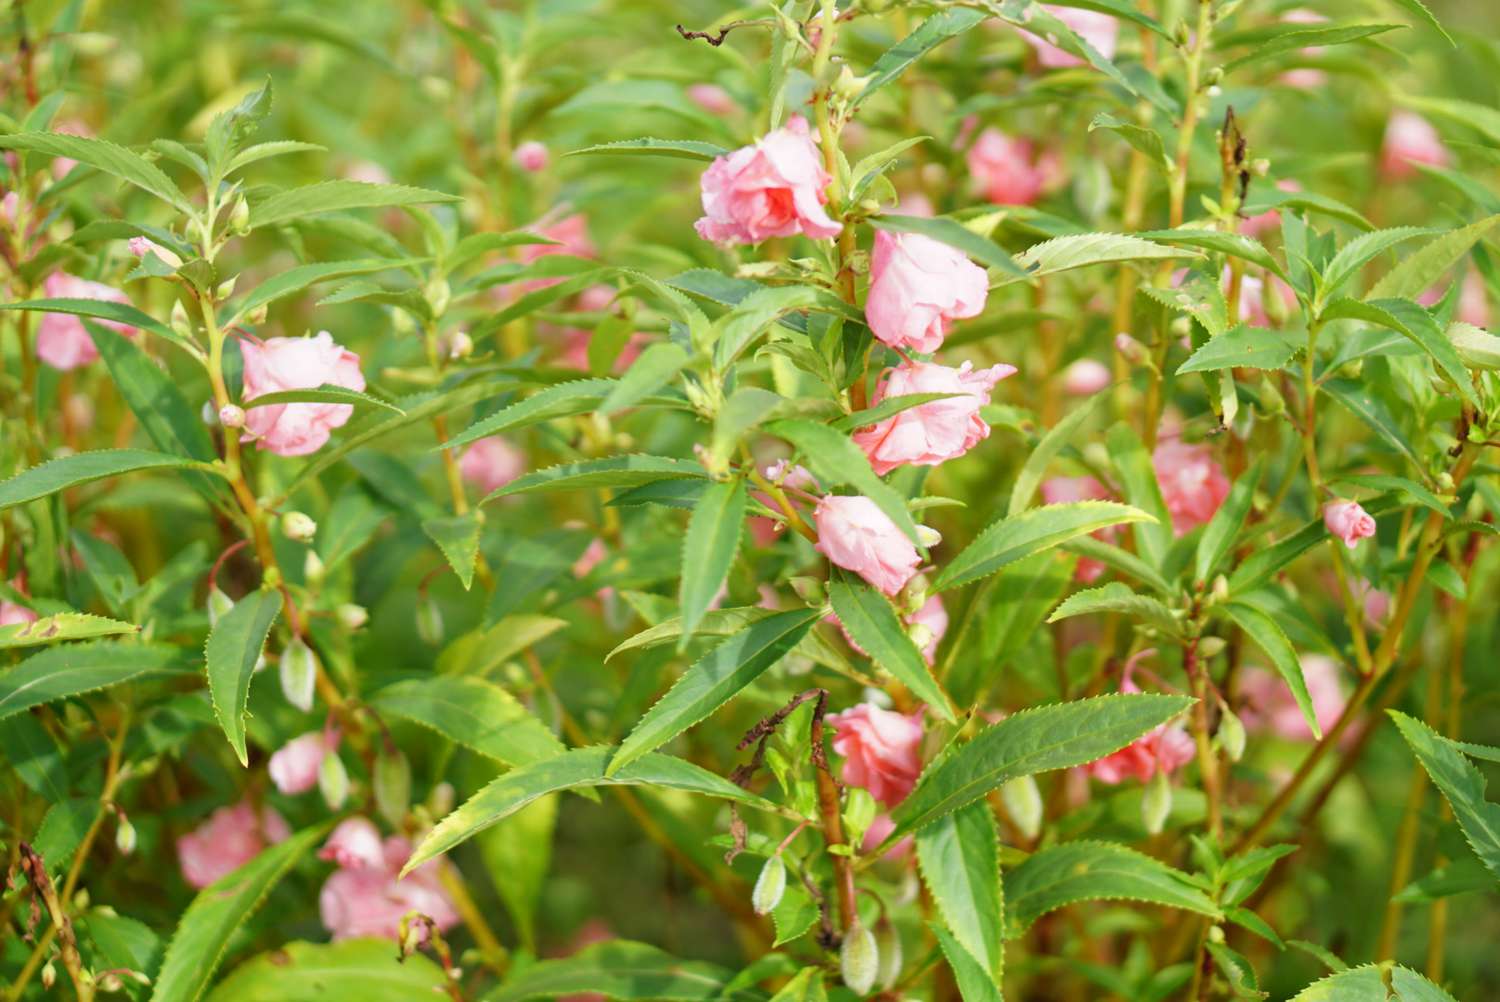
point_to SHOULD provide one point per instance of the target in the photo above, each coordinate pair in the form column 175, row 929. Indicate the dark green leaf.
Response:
column 232, row 650
column 64, row 672
column 1032, row 531
column 875, row 627
column 474, row 712
column 709, row 548
column 1091, row 871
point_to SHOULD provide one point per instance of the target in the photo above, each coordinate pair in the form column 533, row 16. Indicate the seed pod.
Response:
column 333, row 781
column 226, row 288
column 296, row 525
column 312, row 568
column 239, row 216
column 299, row 674
column 232, row 416
column 859, row 959
column 429, row 621
column 888, row 942
column 392, row 780
column 1023, row 802
column 1156, row 804
column 351, row 617
column 859, row 813
column 440, row 799
column 125, row 836
column 769, row 886
column 1231, row 734
column 219, row 605
column 1211, row 647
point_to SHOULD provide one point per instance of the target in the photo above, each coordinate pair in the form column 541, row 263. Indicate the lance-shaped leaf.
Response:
column 1258, row 568
column 581, row 767
column 458, row 537
column 326, row 394
column 1118, row 598
column 1383, row 982
column 1417, row 272
column 928, row 35
column 102, row 155
column 474, row 712
column 1032, row 531
column 1052, row 443
column 1233, row 244
column 959, row 855
column 656, row 367
column 232, row 650
column 1308, row 37
column 627, row 971
column 709, row 547
column 1218, row 538
column 1359, row 252
column 1357, row 399
column 685, row 149
column 348, row 969
column 835, row 459
column 62, row 626
column 203, row 933
column 64, row 672
column 1271, row 639
column 1059, row 736
column 1080, row 250
column 616, row 471
column 955, row 235
column 294, row 280
column 85, row 467
column 1093, row 871
column 1137, row 472
column 713, row 680
column 715, row 623
column 975, row 984
column 577, row 396
column 103, row 309
column 872, row 622
column 1243, row 347
column 336, row 196
column 1461, row 783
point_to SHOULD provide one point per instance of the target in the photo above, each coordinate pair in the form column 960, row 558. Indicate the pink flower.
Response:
column 10, row 204
column 934, row 432
column 918, row 287
column 775, row 188
column 355, row 844
column 1086, row 377
column 1473, row 301
column 1271, row 707
column 294, row 766
column 856, row 535
column 882, row 750
column 571, row 234
column 1007, row 170
column 711, row 98
column 230, row 838
column 1348, row 521
column 531, row 156
column 879, row 830
column 15, row 614
column 1410, row 140
column 1099, row 30
column 369, row 900
column 491, row 463
column 1193, row 485
column 296, row 363
column 1164, row 749
column 1066, row 490
column 61, row 339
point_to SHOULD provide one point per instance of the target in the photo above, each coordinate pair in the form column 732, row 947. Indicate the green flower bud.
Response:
column 1231, row 734
column 888, row 943
column 437, row 295
column 769, row 886
column 239, row 216
column 392, row 781
column 299, row 674
column 297, row 526
column 859, row 813
column 333, row 781
column 859, row 959
column 125, row 836
column 49, row 975
column 312, row 568
column 1156, row 804
column 351, row 617
column 226, row 288
column 1023, row 802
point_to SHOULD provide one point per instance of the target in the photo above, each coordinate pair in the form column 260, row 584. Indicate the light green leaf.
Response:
column 616, row 471
column 82, row 468
column 872, row 622
column 1142, row 138
column 1416, row 272
column 1354, row 397
column 474, row 712
column 954, row 234
column 1309, row 38
column 62, row 626
column 624, row 970
column 709, row 548
column 687, row 149
column 319, row 972
column 1218, row 242
column 1218, row 538
column 326, row 394
column 102, row 155
column 836, row 460
column 1478, row 348
column 1413, row 322
column 1384, row 982
column 1461, row 783
column 1241, row 347
column 1420, row 10
column 805, row 986
column 103, row 309
column 1410, row 489
column 482, row 652
column 959, row 855
column 1080, row 250
column 975, row 984
column 1092, row 871
column 264, row 151
column 1032, row 531
column 1258, row 568
column 1118, row 598
column 657, row 366
column 1125, row 562
column 1053, row 442
column 577, row 396
column 458, row 537
column 336, row 196
column 929, row 35
column 64, row 672
column 1271, row 639
column 232, row 650
column 715, row 623
column 755, row 313
column 294, row 280
column 1359, row 252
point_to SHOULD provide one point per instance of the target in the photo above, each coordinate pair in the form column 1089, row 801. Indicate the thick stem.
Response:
column 1208, row 764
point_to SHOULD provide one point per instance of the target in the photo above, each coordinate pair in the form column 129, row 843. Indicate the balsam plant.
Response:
column 947, row 500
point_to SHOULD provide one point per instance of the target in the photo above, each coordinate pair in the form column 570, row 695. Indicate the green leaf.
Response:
column 1142, row 138
column 1118, row 598
column 62, row 626
column 320, row 972
column 1121, row 560
column 709, row 548
column 1309, row 37
column 477, row 245
column 1032, row 531
column 929, row 35
column 264, row 151
column 475, row 713
column 686, row 149
column 1093, row 871
column 294, row 280
column 1354, row 397
column 889, row 407
column 872, row 622
column 1256, row 569
column 64, row 672
column 336, row 196
column 205, row 928
column 577, row 396
column 868, row 168
column 1412, row 490
column 624, row 970
column 715, row 623
column 975, row 984
column 1242, row 347
column 1218, row 242
column 1461, row 783
column 1264, row 199
column 1384, row 982
column 836, row 460
column 1359, row 252
column 1080, row 250
column 232, row 650
column 1124, row 9
column 517, row 857
column 805, row 986
column 326, row 394
column 714, row 680
column 1218, row 538
column 1420, row 10
column 581, row 767
column 1271, row 639
column 102, row 155
column 616, row 471
column 1478, row 348
column 959, row 856
column 1468, row 114
column 657, row 366
column 1053, row 442
column 1416, row 272
column 1413, row 322
column 482, row 652
column 753, row 314
column 103, row 309
column 954, row 234
column 458, row 537
column 84, row 467
column 1058, row 736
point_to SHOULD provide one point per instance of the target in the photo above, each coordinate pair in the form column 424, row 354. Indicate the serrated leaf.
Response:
column 1241, row 347
column 1412, row 490
column 475, row 713
column 1222, row 530
column 1416, row 272
column 264, row 151
column 657, row 366
column 233, row 648
column 316, row 972
column 1080, row 250
column 1271, row 639
column 687, row 149
column 1219, row 242
column 1357, row 400
column 1125, row 562
column 1309, row 37
column 64, row 672
column 834, row 459
column 577, row 396
column 928, row 35
column 1065, row 874
column 476, row 245
column 959, row 856
column 1200, row 297
column 102, row 155
column 806, row 986
column 458, row 537
column 1053, row 442
column 294, row 280
column 875, row 627
column 1359, row 252
column 1461, row 783
column 1384, row 982
column 103, row 309
column 954, row 234
column 627, row 971
column 62, row 626
column 715, row 623
column 336, row 196
column 709, row 548
column 1118, row 598
column 1142, row 138
column 581, row 767
column 1032, row 531
column 82, row 468
column 326, row 394
column 713, row 680
column 1413, row 322
column 1058, row 736
column 616, row 471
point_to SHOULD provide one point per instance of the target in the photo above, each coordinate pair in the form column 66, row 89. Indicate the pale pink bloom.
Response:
column 1086, row 377
column 370, row 900
column 935, row 432
column 230, row 838
column 355, row 844
column 10, row 204
column 1305, row 77
column 711, row 98
column 1271, row 707
column 1410, row 140
column 879, row 830
column 61, row 339
column 491, row 463
column 856, row 535
column 1269, row 221
column 1253, row 291
column 1193, row 484
column 1099, row 30
column 1348, row 521
column 1473, row 301
column 296, row 363
column 294, row 766
column 531, row 156
column 592, row 556
column 882, row 750
column 774, row 188
column 141, row 246
column 793, row 475
column 763, row 531
column 1164, row 749
column 1375, row 603
column 1006, row 169
column 918, row 287
column 15, row 614
column 571, row 234
column 574, row 351
column 1066, row 490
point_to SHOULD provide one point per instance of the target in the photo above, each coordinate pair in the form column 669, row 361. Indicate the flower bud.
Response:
column 125, row 836
column 257, row 316
column 299, row 674
column 333, row 781
column 928, row 536
column 392, row 783
column 312, row 568
column 180, row 322
column 440, row 800
column 437, row 294
column 429, row 621
column 1156, row 803
column 531, row 156
column 219, row 605
column 888, row 943
column 141, row 246
column 297, row 526
column 1231, row 734
column 1211, row 647
column 401, row 322
column 232, row 416
column 920, row 634
column 1023, row 802
column 859, row 959
column 49, row 975
column 239, row 216
column 351, row 617
column 859, row 814
column 460, row 345
column 109, row 981
column 226, row 288
column 847, row 86
column 1130, row 349
column 769, row 886
column 207, row 414
column 1221, row 589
